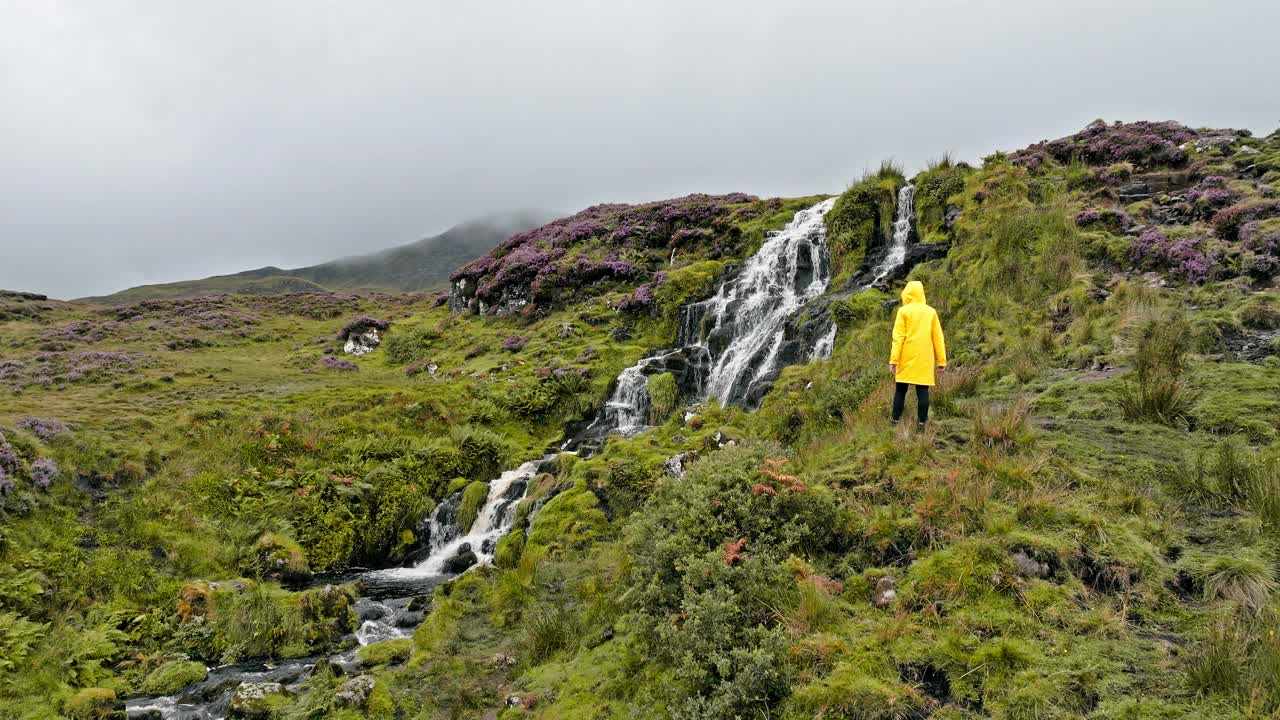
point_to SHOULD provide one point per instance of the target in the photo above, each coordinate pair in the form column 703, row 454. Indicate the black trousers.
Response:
column 922, row 401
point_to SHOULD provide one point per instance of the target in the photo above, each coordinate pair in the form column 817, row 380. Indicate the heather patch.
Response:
column 608, row 242
column 339, row 364
column 1144, row 144
column 43, row 428
column 43, row 471
column 1190, row 259
column 362, row 324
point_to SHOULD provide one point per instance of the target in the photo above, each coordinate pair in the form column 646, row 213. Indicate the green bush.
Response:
column 1261, row 312
column 711, row 551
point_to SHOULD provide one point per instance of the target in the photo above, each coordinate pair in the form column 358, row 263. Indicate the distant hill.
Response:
column 421, row 265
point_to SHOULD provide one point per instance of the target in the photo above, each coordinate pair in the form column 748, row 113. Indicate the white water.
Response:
column 825, row 345
column 769, row 294
column 901, row 232
column 490, row 525
column 742, row 327
column 893, row 258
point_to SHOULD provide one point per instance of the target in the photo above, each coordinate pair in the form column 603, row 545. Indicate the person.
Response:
column 918, row 348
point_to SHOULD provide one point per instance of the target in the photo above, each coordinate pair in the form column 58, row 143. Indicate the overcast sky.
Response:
column 155, row 141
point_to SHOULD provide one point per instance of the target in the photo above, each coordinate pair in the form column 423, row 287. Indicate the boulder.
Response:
column 886, row 592
column 257, row 701
column 459, row 563
column 362, row 343
column 355, row 692
column 387, row 652
column 1029, row 567
column 94, row 703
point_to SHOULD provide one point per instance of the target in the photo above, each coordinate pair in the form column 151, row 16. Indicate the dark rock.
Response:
column 459, row 563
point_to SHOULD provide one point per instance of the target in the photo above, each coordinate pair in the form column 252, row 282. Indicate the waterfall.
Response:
column 732, row 342
column 901, row 232
column 452, row 551
column 791, row 268
column 893, row 258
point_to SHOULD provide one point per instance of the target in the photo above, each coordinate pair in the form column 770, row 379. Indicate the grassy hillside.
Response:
column 421, row 265
column 1090, row 527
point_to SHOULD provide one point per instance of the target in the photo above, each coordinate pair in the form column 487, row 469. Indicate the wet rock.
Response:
column 886, row 592
column 1029, row 567
column 256, row 701
column 419, row 603
column 459, row 563
column 355, row 692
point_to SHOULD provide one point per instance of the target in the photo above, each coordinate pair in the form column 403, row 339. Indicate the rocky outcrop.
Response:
column 256, row 701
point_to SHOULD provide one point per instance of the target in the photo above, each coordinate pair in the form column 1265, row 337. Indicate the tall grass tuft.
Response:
column 1161, row 392
column 1002, row 427
column 1233, row 473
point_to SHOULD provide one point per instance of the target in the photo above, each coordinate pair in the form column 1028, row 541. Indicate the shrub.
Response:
column 1234, row 473
column 515, row 343
column 43, row 428
column 1227, row 222
column 43, row 471
column 1144, row 144
column 1186, row 258
column 709, row 615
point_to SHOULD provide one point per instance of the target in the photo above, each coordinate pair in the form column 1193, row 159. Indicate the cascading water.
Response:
column 729, row 345
column 901, row 233
column 451, row 551
column 743, row 325
column 893, row 258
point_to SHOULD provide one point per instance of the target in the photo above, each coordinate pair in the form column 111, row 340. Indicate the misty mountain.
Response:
column 420, row 265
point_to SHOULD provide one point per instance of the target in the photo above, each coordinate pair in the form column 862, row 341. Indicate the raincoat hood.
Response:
column 913, row 293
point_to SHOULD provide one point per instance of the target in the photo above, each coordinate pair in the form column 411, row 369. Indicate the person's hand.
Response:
column 893, row 369
column 941, row 368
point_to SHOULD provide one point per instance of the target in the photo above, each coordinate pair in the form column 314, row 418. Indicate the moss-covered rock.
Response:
column 280, row 558
column 510, row 548
column 93, row 704
column 664, row 395
column 571, row 519
column 258, row 701
column 473, row 498
column 387, row 652
column 173, row 676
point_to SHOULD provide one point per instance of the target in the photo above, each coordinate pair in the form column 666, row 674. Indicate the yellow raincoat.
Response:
column 918, row 345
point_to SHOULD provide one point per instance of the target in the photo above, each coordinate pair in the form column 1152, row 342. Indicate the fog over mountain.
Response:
column 152, row 142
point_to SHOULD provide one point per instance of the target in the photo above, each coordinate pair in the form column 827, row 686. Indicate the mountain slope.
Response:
column 421, row 265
